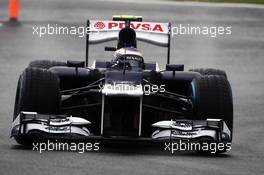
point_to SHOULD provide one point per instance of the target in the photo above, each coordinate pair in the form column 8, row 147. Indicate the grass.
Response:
column 229, row 1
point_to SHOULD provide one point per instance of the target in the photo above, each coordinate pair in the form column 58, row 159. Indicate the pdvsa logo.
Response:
column 99, row 25
column 137, row 26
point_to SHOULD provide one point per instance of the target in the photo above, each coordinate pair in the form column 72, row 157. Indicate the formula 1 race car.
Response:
column 123, row 98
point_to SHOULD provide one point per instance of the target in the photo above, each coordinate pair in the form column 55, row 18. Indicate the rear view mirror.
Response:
column 174, row 67
column 75, row 63
column 110, row 48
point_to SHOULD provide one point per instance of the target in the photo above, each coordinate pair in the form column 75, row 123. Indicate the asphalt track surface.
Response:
column 240, row 54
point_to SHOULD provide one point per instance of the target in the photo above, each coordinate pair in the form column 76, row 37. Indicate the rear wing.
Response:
column 101, row 31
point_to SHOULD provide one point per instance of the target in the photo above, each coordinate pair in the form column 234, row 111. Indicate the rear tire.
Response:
column 37, row 91
column 46, row 64
column 209, row 71
column 212, row 98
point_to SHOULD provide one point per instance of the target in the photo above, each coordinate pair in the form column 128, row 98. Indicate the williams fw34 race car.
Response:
column 123, row 98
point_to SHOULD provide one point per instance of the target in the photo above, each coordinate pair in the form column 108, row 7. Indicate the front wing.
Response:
column 68, row 127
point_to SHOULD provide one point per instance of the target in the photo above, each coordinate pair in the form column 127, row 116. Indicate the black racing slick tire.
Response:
column 37, row 91
column 46, row 64
column 209, row 71
column 212, row 98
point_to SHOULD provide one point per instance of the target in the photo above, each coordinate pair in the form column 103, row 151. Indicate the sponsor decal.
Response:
column 99, row 25
column 136, row 26
column 116, row 25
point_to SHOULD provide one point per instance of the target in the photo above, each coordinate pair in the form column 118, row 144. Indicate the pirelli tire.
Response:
column 46, row 64
column 37, row 91
column 209, row 71
column 212, row 98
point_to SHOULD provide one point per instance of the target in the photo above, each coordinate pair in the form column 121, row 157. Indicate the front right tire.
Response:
column 46, row 64
column 37, row 91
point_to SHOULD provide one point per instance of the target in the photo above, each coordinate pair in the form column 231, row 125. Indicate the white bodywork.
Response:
column 68, row 125
column 155, row 33
column 186, row 130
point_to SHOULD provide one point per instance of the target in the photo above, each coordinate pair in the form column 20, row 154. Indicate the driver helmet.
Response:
column 128, row 54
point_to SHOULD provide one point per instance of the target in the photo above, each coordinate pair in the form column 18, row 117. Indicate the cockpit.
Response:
column 129, row 57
